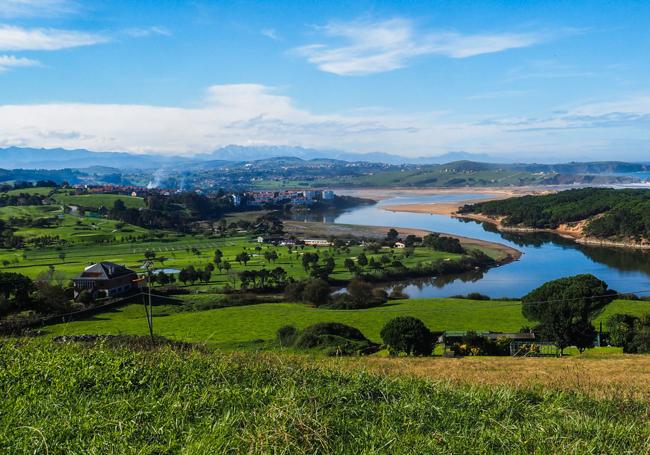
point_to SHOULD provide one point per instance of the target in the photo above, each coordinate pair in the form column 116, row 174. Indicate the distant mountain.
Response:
column 256, row 153
column 32, row 158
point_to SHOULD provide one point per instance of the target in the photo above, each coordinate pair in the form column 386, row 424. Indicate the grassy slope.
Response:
column 98, row 200
column 227, row 327
column 70, row 399
column 42, row 190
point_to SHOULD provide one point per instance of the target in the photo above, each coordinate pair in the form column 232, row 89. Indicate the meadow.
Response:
column 242, row 326
column 174, row 251
column 96, row 201
column 67, row 398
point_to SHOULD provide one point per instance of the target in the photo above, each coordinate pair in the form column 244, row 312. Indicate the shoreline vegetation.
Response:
column 573, row 231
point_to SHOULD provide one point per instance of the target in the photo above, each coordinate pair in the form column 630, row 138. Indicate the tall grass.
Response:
column 103, row 399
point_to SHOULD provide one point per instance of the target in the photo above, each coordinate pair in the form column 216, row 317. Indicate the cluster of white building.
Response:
column 306, row 197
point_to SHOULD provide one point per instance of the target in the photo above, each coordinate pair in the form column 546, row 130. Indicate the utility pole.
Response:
column 148, row 309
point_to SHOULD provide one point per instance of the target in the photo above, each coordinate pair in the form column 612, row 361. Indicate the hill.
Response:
column 106, row 398
column 602, row 213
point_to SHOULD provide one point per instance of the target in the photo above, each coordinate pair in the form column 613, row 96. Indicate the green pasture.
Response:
column 228, row 327
column 96, row 201
column 40, row 190
column 29, row 211
column 176, row 251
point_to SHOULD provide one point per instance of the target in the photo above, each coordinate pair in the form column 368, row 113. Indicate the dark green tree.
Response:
column 409, row 335
column 564, row 307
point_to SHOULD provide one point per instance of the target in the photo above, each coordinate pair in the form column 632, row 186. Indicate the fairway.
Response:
column 225, row 327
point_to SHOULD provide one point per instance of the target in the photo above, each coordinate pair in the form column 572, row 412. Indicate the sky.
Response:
column 517, row 80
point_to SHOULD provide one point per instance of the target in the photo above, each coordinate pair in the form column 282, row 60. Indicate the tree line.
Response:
column 611, row 213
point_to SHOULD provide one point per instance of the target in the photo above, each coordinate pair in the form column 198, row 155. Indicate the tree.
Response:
column 362, row 260
column 270, row 255
column 392, row 235
column 349, row 264
column 564, row 307
column 641, row 341
column 62, row 256
column 621, row 329
column 50, row 298
column 409, row 335
column 218, row 257
column 162, row 278
column 243, row 257
column 149, row 254
column 209, row 267
column 308, row 259
column 205, row 275
column 16, row 290
column 317, row 292
column 226, row 266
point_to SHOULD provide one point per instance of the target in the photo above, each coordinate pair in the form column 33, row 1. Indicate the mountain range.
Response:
column 58, row 158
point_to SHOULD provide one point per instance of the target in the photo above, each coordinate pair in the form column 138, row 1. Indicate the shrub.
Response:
column 409, row 335
column 471, row 296
column 334, row 339
column 621, row 329
column 293, row 291
column 287, row 335
column 316, row 291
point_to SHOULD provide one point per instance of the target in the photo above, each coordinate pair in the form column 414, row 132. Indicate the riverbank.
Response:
column 503, row 253
column 573, row 231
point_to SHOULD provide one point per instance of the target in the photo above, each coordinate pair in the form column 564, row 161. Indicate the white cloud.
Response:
column 248, row 114
column 36, row 8
column 374, row 47
column 14, row 38
column 147, row 31
column 11, row 61
column 270, row 33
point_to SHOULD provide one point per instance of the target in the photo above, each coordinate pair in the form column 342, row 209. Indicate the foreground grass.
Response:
column 73, row 399
column 230, row 327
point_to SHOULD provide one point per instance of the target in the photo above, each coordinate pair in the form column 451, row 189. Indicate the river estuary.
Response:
column 545, row 256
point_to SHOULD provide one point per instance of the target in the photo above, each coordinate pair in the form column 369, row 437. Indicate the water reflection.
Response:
column 546, row 256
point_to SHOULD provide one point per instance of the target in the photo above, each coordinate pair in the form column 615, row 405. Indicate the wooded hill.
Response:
column 610, row 213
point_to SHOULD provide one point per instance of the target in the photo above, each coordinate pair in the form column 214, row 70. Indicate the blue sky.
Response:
column 518, row 80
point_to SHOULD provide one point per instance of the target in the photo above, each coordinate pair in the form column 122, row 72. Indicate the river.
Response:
column 545, row 256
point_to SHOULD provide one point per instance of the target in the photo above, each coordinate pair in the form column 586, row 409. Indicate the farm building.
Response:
column 317, row 242
column 105, row 279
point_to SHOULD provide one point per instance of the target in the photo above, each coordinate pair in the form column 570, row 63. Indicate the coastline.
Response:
column 571, row 231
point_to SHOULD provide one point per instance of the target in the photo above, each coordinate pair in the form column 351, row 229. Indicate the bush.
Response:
column 621, row 330
column 293, row 291
column 86, row 297
column 287, row 335
column 471, row 296
column 359, row 295
column 317, row 292
column 409, row 335
column 334, row 339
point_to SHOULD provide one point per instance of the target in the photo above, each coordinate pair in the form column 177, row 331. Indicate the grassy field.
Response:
column 97, row 200
column 177, row 249
column 236, row 326
column 29, row 211
column 41, row 190
column 75, row 399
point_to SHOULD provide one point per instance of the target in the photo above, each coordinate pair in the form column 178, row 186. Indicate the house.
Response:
column 260, row 239
column 317, row 242
column 400, row 245
column 105, row 279
column 327, row 195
